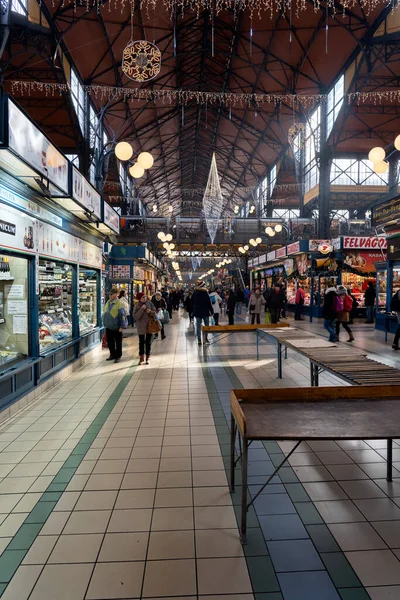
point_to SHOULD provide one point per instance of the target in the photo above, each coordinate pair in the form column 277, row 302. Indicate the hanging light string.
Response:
column 183, row 97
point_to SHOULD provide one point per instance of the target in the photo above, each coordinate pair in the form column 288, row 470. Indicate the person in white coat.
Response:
column 216, row 302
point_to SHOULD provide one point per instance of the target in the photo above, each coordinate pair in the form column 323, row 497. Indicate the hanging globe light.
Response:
column 123, row 151
column 397, row 142
column 168, row 237
column 269, row 230
column 258, row 240
column 278, row 228
column 145, row 160
column 161, row 236
column 246, row 247
column 272, row 233
column 170, row 208
column 136, row 171
column 381, row 167
column 376, row 155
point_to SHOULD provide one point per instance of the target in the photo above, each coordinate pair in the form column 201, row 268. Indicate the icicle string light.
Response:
column 183, row 97
column 213, row 202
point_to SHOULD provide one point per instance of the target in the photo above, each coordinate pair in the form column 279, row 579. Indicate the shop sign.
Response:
column 365, row 243
column 288, row 264
column 262, row 259
column 271, row 255
column 336, row 243
column 281, row 252
column 362, row 261
column 319, row 246
column 386, row 212
column 111, row 218
column 29, row 206
column 293, row 248
column 121, row 272
column 302, row 263
column 85, row 194
column 138, row 273
column 32, row 146
column 32, row 235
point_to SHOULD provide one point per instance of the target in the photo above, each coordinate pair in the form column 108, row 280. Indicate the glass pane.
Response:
column 87, row 300
column 382, row 279
column 13, row 309
column 55, row 302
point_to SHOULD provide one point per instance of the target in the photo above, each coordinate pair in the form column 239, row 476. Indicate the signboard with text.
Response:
column 364, row 243
column 281, row 252
column 85, row 194
column 292, row 248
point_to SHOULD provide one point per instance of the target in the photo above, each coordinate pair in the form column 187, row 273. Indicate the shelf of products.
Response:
column 55, row 302
column 292, row 290
column 14, row 320
column 357, row 284
column 382, row 287
column 88, row 284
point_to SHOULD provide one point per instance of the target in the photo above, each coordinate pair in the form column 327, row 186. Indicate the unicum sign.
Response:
column 6, row 227
column 364, row 243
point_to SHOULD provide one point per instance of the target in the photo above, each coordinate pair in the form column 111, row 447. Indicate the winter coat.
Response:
column 300, row 295
column 344, row 315
column 114, row 314
column 188, row 304
column 256, row 303
column 328, row 310
column 276, row 299
column 159, row 303
column 231, row 303
column 217, row 304
column 125, row 303
column 239, row 296
column 202, row 306
column 369, row 296
column 141, row 317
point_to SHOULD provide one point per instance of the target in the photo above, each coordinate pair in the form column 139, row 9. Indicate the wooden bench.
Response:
column 229, row 329
column 303, row 414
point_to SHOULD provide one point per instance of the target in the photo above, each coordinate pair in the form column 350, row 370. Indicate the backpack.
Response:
column 395, row 303
column 213, row 299
column 347, row 303
column 338, row 303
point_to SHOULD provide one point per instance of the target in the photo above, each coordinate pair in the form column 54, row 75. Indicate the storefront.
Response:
column 50, row 258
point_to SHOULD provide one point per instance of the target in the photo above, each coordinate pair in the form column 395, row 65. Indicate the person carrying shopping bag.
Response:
column 114, row 319
column 202, row 308
column 160, row 306
column 216, row 302
column 343, row 315
column 255, row 305
column 143, row 313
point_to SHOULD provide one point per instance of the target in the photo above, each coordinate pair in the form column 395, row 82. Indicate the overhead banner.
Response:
column 386, row 212
column 362, row 260
column 85, row 194
column 111, row 218
column 365, row 243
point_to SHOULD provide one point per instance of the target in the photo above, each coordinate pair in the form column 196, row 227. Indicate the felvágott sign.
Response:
column 365, row 243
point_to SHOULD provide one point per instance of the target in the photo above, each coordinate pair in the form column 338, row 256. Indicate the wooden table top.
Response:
column 371, row 412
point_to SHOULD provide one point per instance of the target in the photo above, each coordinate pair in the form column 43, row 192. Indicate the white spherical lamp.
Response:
column 246, row 247
column 272, row 233
column 136, row 171
column 168, row 237
column 381, row 167
column 397, row 142
column 170, row 208
column 123, row 151
column 269, row 230
column 258, row 240
column 145, row 160
column 376, row 155
column 278, row 228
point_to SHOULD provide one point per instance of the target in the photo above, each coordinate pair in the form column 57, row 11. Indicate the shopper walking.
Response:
column 230, row 306
column 159, row 304
column 329, row 312
column 299, row 302
column 142, row 313
column 275, row 303
column 202, row 307
column 216, row 302
column 395, row 307
column 256, row 303
column 246, row 295
column 239, row 301
column 113, row 320
column 369, row 301
column 343, row 316
column 188, row 304
column 354, row 307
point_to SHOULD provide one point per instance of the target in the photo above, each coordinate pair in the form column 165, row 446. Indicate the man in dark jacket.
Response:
column 202, row 307
column 369, row 300
column 329, row 312
column 239, row 301
column 275, row 303
column 230, row 306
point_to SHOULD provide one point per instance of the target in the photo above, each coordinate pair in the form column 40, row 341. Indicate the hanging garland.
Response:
column 183, row 97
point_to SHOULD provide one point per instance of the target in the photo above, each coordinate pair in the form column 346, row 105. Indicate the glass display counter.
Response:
column 88, row 289
column 14, row 320
column 55, row 303
column 381, row 281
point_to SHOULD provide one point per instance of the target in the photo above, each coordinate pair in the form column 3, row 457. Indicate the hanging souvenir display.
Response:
column 141, row 61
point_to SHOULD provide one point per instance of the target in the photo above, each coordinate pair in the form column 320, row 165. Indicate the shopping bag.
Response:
column 166, row 317
column 104, row 342
column 154, row 325
column 267, row 317
column 160, row 315
column 247, row 319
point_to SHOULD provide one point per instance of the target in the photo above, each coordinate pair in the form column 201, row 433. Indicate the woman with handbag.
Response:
column 144, row 314
column 160, row 306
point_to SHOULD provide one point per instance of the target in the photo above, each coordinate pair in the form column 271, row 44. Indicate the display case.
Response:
column 381, row 291
column 55, row 303
column 88, row 290
column 14, row 320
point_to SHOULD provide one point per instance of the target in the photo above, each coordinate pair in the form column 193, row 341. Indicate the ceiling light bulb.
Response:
column 268, row 230
column 170, row 208
column 166, row 245
column 145, row 160
column 397, row 142
column 251, row 241
column 168, row 237
column 376, row 155
column 155, row 210
column 246, row 247
column 136, row 171
column 161, row 236
column 123, row 151
column 171, row 246
column 278, row 228
column 258, row 240
column 381, row 167
column 272, row 233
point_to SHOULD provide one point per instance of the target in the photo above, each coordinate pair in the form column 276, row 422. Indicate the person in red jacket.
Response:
column 299, row 301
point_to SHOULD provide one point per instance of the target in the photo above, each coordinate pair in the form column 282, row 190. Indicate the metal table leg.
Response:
column 316, row 375
column 279, row 360
column 312, row 373
column 243, row 526
column 389, row 460
column 257, row 338
column 233, row 439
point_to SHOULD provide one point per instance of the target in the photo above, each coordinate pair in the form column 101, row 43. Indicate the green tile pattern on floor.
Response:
column 262, row 574
column 22, row 541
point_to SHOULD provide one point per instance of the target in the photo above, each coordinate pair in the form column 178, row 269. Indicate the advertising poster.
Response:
column 17, row 230
column 111, row 218
column 362, row 261
column 85, row 194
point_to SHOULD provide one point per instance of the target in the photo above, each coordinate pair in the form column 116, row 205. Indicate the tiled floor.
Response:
column 114, row 486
